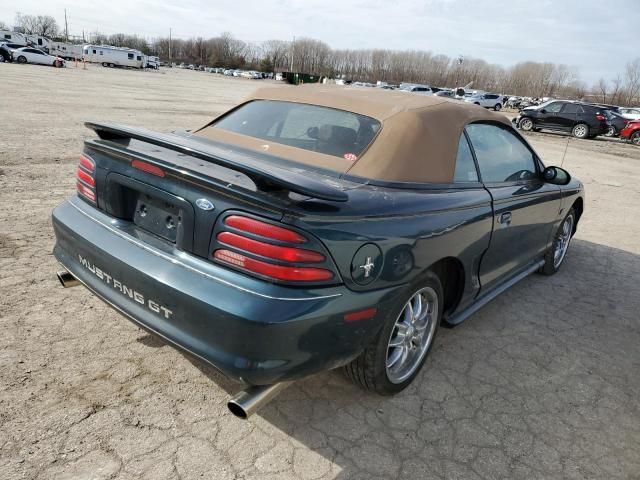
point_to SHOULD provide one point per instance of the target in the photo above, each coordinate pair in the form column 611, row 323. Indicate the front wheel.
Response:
column 635, row 138
column 555, row 255
column 497, row 107
column 394, row 358
column 22, row 59
column 580, row 131
column 526, row 124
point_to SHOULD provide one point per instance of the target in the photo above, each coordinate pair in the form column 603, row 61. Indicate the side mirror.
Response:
column 556, row 176
column 313, row 132
column 543, row 111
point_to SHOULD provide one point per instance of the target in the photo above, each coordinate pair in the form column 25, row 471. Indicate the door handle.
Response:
column 505, row 218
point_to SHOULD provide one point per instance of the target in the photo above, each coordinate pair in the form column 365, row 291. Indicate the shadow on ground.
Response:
column 541, row 383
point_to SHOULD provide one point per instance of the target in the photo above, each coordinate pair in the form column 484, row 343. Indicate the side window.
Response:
column 570, row 108
column 502, row 157
column 465, row 166
column 130, row 56
column 554, row 107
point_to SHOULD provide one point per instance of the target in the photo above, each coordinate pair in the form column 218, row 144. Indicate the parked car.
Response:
column 631, row 132
column 615, row 123
column 582, row 120
column 486, row 100
column 419, row 89
column 271, row 273
column 445, row 93
column 33, row 55
column 7, row 49
column 630, row 113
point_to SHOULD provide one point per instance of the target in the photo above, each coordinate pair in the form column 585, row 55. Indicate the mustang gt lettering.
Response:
column 124, row 289
column 349, row 224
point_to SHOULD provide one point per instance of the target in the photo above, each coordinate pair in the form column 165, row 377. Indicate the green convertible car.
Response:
column 311, row 228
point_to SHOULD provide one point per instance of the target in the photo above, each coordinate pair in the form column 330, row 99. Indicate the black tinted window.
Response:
column 554, row 107
column 130, row 56
column 465, row 166
column 571, row 108
column 502, row 157
column 310, row 127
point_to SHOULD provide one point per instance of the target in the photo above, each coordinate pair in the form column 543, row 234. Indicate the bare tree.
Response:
column 44, row 25
column 632, row 81
column 4, row 26
column 602, row 87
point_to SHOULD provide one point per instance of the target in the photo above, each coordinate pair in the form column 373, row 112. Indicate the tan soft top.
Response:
column 418, row 141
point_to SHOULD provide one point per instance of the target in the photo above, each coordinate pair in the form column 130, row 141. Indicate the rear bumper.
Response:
column 252, row 331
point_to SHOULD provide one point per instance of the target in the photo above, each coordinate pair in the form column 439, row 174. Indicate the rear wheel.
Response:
column 555, row 255
column 581, row 130
column 611, row 131
column 635, row 138
column 397, row 353
column 22, row 59
column 526, row 124
column 497, row 107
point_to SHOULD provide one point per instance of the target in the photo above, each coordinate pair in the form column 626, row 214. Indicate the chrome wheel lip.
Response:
column 411, row 335
column 562, row 240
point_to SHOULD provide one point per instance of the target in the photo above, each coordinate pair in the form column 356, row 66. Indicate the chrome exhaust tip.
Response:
column 249, row 401
column 66, row 279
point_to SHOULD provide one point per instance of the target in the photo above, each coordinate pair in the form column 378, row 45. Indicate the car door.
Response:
column 548, row 115
column 524, row 206
column 568, row 116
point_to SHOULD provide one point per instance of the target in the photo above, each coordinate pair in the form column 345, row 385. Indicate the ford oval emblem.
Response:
column 204, row 204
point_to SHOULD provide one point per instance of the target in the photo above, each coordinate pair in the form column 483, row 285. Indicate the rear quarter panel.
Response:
column 413, row 229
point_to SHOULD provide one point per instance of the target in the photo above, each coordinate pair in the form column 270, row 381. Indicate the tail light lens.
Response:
column 85, row 178
column 600, row 117
column 270, row 251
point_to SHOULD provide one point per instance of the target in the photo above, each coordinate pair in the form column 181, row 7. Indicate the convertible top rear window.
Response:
column 310, row 127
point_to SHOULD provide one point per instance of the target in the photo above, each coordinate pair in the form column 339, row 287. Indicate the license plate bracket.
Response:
column 157, row 216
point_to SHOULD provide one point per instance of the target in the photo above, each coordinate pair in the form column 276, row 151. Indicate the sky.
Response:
column 596, row 38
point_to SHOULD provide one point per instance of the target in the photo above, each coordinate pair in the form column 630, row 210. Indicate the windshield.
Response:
column 310, row 127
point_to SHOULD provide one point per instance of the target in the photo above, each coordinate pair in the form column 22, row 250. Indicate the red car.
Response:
column 631, row 132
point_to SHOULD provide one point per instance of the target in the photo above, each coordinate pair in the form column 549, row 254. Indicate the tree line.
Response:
column 308, row 55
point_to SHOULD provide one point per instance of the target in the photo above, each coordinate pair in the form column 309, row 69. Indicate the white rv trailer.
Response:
column 38, row 41
column 68, row 51
column 13, row 37
column 110, row 56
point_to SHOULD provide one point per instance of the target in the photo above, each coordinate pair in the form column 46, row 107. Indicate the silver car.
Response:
column 486, row 100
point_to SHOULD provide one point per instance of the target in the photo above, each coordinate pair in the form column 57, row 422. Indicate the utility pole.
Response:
column 170, row 64
column 293, row 49
column 66, row 27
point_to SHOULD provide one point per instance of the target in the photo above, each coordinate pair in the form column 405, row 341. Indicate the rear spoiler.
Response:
column 265, row 176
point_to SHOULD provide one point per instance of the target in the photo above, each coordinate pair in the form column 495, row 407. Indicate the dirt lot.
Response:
column 542, row 383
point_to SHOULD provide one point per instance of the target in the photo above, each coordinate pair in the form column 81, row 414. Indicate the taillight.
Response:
column 270, row 251
column 600, row 117
column 85, row 176
column 148, row 167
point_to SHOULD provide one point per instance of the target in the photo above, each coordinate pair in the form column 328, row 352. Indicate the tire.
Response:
column 581, row 130
column 555, row 256
column 497, row 107
column 526, row 124
column 370, row 370
column 105, row 64
column 22, row 59
column 611, row 132
column 476, row 103
column 635, row 138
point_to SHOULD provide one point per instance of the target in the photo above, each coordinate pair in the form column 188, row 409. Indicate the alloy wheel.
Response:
column 412, row 335
column 635, row 139
column 580, row 131
column 526, row 124
column 562, row 241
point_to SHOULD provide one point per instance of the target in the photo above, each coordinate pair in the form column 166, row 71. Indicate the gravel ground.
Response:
column 542, row 383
